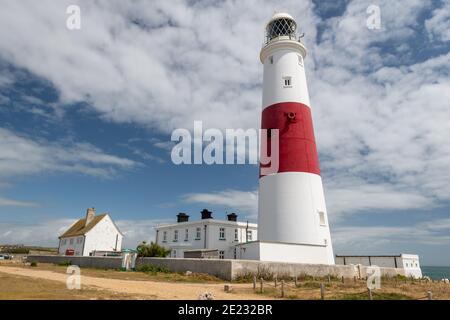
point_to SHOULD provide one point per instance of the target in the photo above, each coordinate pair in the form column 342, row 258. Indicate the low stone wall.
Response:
column 221, row 268
column 86, row 262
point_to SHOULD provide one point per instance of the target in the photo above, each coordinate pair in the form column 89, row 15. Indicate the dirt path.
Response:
column 160, row 290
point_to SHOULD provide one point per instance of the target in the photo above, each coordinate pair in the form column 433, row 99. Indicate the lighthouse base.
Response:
column 284, row 252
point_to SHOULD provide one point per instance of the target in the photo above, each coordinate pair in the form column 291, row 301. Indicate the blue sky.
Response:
column 86, row 115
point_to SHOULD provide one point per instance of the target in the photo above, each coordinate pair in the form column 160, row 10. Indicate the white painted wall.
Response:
column 75, row 243
column 285, row 64
column 409, row 262
column 289, row 207
column 283, row 252
column 213, row 240
column 103, row 237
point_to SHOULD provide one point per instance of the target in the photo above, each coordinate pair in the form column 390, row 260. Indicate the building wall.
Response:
column 102, row 237
column 74, row 243
column 409, row 262
column 284, row 252
column 213, row 240
column 224, row 269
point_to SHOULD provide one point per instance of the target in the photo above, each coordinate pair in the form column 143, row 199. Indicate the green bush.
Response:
column 19, row 251
column 65, row 263
column 149, row 268
column 33, row 264
column 151, row 250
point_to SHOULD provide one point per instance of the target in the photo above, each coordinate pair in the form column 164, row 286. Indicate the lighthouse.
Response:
column 292, row 216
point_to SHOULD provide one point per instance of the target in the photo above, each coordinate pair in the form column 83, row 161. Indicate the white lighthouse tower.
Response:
column 292, row 215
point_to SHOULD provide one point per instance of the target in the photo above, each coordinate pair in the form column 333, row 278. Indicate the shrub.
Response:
column 151, row 250
column 65, row 263
column 19, row 251
column 33, row 264
column 149, row 268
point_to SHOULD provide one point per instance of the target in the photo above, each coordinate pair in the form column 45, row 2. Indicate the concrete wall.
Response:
column 224, row 269
column 87, row 262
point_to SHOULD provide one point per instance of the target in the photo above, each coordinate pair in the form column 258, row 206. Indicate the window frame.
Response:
column 222, row 233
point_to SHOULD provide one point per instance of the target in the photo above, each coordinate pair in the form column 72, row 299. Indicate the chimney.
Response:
column 206, row 214
column 182, row 217
column 90, row 214
column 232, row 216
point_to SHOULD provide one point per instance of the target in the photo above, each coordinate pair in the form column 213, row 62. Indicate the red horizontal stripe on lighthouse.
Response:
column 298, row 152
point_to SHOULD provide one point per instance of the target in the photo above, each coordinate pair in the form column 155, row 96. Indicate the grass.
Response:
column 155, row 274
column 21, row 288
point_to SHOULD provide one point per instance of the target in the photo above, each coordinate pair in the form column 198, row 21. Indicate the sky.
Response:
column 86, row 115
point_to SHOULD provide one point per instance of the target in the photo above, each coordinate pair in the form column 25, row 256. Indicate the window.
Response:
column 174, row 252
column 235, row 253
column 175, row 236
column 287, row 81
column 300, row 61
column 198, row 233
column 71, row 241
column 165, row 236
column 80, row 240
column 236, row 235
column 221, row 254
column 64, row 241
column 186, row 235
column 321, row 218
column 249, row 235
column 222, row 234
column 271, row 59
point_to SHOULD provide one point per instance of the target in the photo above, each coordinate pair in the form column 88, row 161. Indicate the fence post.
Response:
column 322, row 291
column 261, row 285
column 275, row 282
column 254, row 282
column 296, row 281
column 430, row 295
column 370, row 293
column 329, row 279
column 282, row 288
column 343, row 279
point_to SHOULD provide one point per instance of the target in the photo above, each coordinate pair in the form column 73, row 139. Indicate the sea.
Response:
column 436, row 273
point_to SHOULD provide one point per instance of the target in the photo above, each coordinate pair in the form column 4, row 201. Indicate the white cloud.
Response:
column 46, row 233
column 438, row 26
column 240, row 201
column 21, row 155
column 16, row 203
column 366, row 238
column 381, row 131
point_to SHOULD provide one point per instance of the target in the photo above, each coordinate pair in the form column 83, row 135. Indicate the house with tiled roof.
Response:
column 92, row 234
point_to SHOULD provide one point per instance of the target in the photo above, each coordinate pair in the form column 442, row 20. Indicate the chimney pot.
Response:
column 206, row 214
column 90, row 214
column 232, row 216
column 182, row 217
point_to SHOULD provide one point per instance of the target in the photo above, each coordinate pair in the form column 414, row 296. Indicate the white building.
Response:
column 409, row 262
column 91, row 234
column 206, row 234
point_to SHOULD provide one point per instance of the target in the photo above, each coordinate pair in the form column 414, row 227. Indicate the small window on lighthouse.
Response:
column 287, row 82
column 321, row 218
column 271, row 59
column 300, row 61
